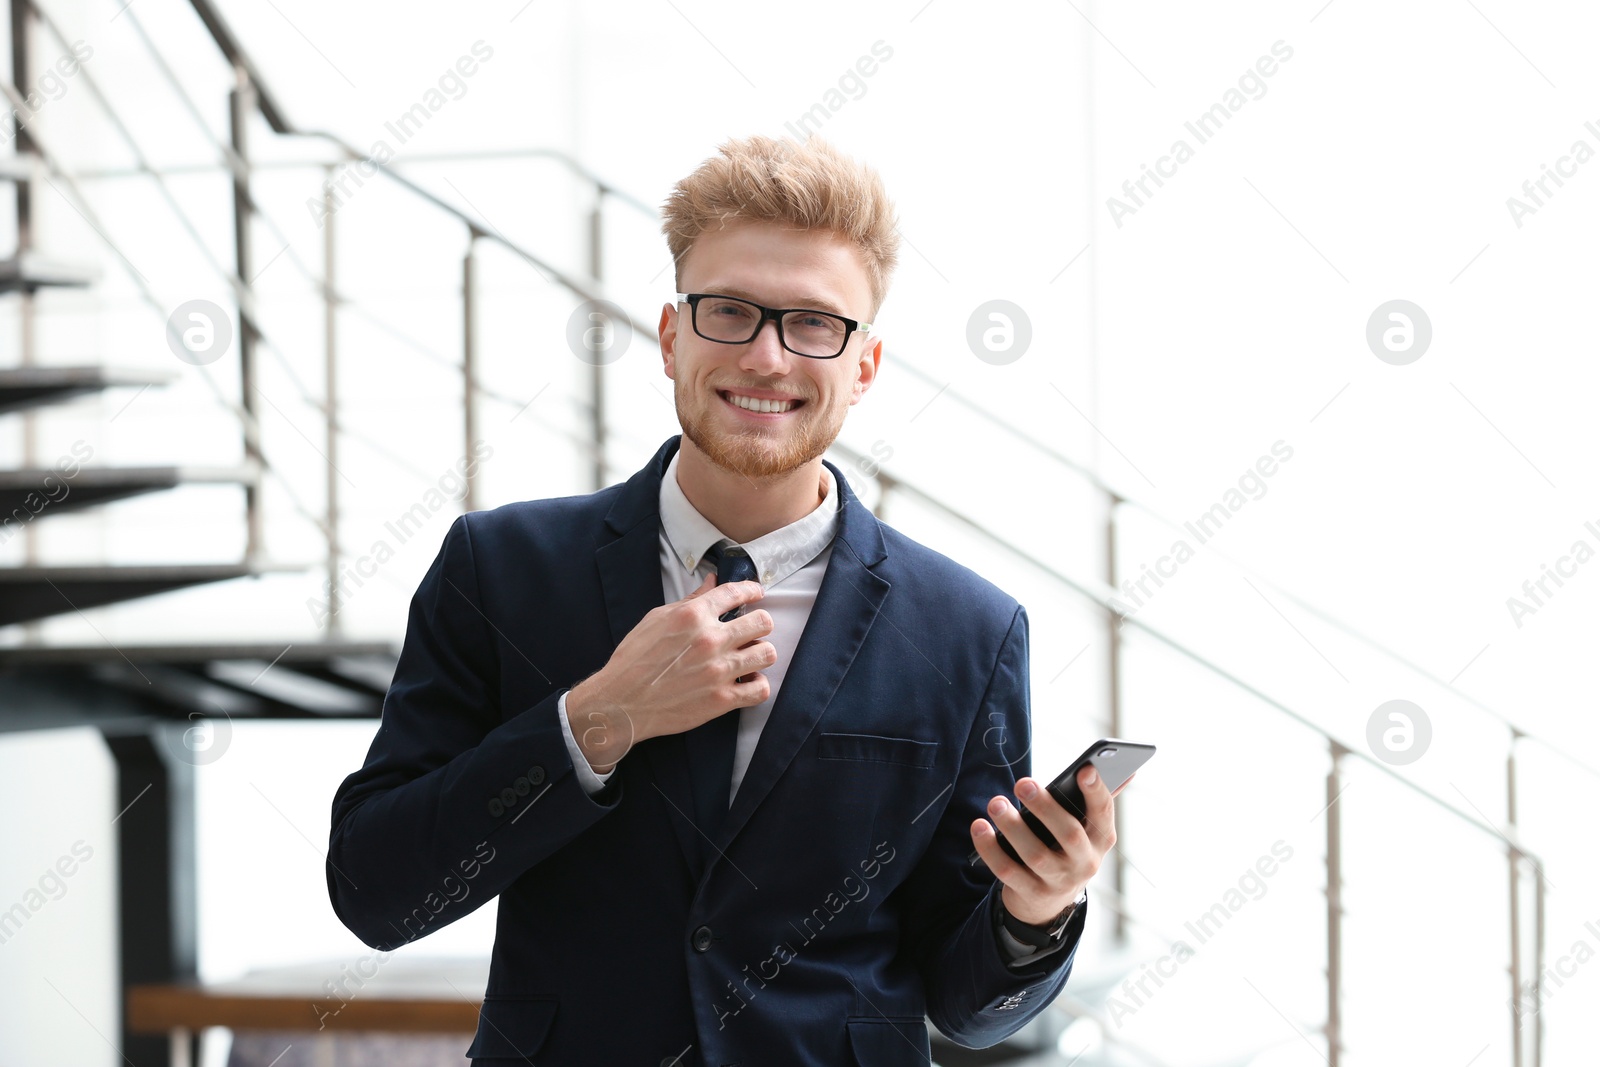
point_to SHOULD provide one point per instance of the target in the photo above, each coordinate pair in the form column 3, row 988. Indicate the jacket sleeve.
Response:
column 975, row 996
column 452, row 804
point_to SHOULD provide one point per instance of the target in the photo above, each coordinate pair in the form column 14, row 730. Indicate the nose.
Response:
column 764, row 352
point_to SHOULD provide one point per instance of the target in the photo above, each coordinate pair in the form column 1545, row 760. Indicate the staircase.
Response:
column 140, row 696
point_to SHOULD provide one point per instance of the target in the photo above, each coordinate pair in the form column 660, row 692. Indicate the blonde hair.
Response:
column 810, row 184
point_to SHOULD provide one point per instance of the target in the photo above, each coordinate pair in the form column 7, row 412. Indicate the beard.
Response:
column 756, row 453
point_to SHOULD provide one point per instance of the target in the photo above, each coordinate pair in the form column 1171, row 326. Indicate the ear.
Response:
column 866, row 368
column 668, row 330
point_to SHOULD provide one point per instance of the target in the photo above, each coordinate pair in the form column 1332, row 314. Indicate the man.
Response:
column 719, row 740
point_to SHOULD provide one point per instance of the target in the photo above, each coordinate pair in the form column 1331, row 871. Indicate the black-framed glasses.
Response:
column 728, row 320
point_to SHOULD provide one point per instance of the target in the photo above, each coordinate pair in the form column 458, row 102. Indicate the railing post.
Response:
column 330, row 317
column 469, row 365
column 1538, row 956
column 1114, row 706
column 1527, row 1018
column 596, row 370
column 241, row 104
column 1335, row 910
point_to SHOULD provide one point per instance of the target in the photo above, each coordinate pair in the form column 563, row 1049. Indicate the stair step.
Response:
column 288, row 653
column 28, row 593
column 26, row 387
column 332, row 678
column 20, row 168
column 91, row 486
column 31, row 271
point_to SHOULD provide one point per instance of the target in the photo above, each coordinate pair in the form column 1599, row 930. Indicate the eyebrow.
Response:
column 808, row 303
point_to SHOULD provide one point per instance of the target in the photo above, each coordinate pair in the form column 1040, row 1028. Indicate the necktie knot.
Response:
column 733, row 563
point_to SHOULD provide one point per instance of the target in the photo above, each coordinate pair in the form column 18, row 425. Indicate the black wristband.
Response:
column 1024, row 932
column 1028, row 934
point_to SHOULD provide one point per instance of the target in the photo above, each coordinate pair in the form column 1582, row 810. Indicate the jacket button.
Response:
column 508, row 797
column 496, row 808
column 702, row 939
column 522, row 786
column 535, row 775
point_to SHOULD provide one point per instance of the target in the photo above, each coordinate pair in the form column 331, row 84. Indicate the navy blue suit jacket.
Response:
column 838, row 908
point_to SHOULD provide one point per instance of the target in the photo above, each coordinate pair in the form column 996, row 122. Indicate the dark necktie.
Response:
column 711, row 743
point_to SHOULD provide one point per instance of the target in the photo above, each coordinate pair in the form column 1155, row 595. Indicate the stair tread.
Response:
column 111, row 476
column 87, row 374
column 38, row 592
column 30, row 270
column 139, row 571
column 31, row 387
column 16, row 167
column 283, row 652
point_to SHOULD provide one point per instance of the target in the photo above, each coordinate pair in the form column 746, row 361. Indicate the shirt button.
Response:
column 702, row 939
column 766, row 578
column 496, row 808
column 535, row 775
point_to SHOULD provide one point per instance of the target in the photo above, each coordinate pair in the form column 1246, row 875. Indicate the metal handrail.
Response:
column 278, row 120
column 1103, row 596
column 1120, row 498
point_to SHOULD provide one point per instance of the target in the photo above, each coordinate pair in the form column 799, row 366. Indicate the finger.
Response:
column 750, row 626
column 756, row 656
column 1099, row 822
column 1036, row 855
column 1002, row 866
column 730, row 595
column 1124, row 785
column 1062, row 824
column 755, row 684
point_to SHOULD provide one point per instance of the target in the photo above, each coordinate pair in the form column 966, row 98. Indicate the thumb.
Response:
column 708, row 582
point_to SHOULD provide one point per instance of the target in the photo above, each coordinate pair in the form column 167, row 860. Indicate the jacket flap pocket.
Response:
column 889, row 1042
column 906, row 750
column 512, row 1026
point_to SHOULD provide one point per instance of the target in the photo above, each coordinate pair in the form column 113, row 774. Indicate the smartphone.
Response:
column 1114, row 760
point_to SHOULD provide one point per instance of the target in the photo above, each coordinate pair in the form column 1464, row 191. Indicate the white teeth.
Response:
column 759, row 405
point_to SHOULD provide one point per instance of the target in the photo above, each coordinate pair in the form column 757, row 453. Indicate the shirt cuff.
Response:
column 1015, row 952
column 1013, row 948
column 591, row 781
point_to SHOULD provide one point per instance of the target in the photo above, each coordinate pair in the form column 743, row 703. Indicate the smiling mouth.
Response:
column 771, row 408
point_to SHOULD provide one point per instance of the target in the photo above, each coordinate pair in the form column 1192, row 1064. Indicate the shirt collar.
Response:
column 776, row 555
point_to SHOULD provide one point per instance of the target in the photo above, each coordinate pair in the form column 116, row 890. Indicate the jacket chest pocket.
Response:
column 874, row 748
column 876, row 789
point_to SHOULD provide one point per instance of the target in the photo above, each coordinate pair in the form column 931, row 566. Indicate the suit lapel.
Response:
column 846, row 606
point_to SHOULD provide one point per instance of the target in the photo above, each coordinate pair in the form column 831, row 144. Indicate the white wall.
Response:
column 58, row 899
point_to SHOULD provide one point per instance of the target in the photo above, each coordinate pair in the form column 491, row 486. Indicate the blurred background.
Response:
column 1247, row 345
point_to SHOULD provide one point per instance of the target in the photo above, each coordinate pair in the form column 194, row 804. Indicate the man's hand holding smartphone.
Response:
column 1040, row 881
column 1046, row 881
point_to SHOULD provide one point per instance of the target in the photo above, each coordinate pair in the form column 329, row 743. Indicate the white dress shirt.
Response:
column 790, row 562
